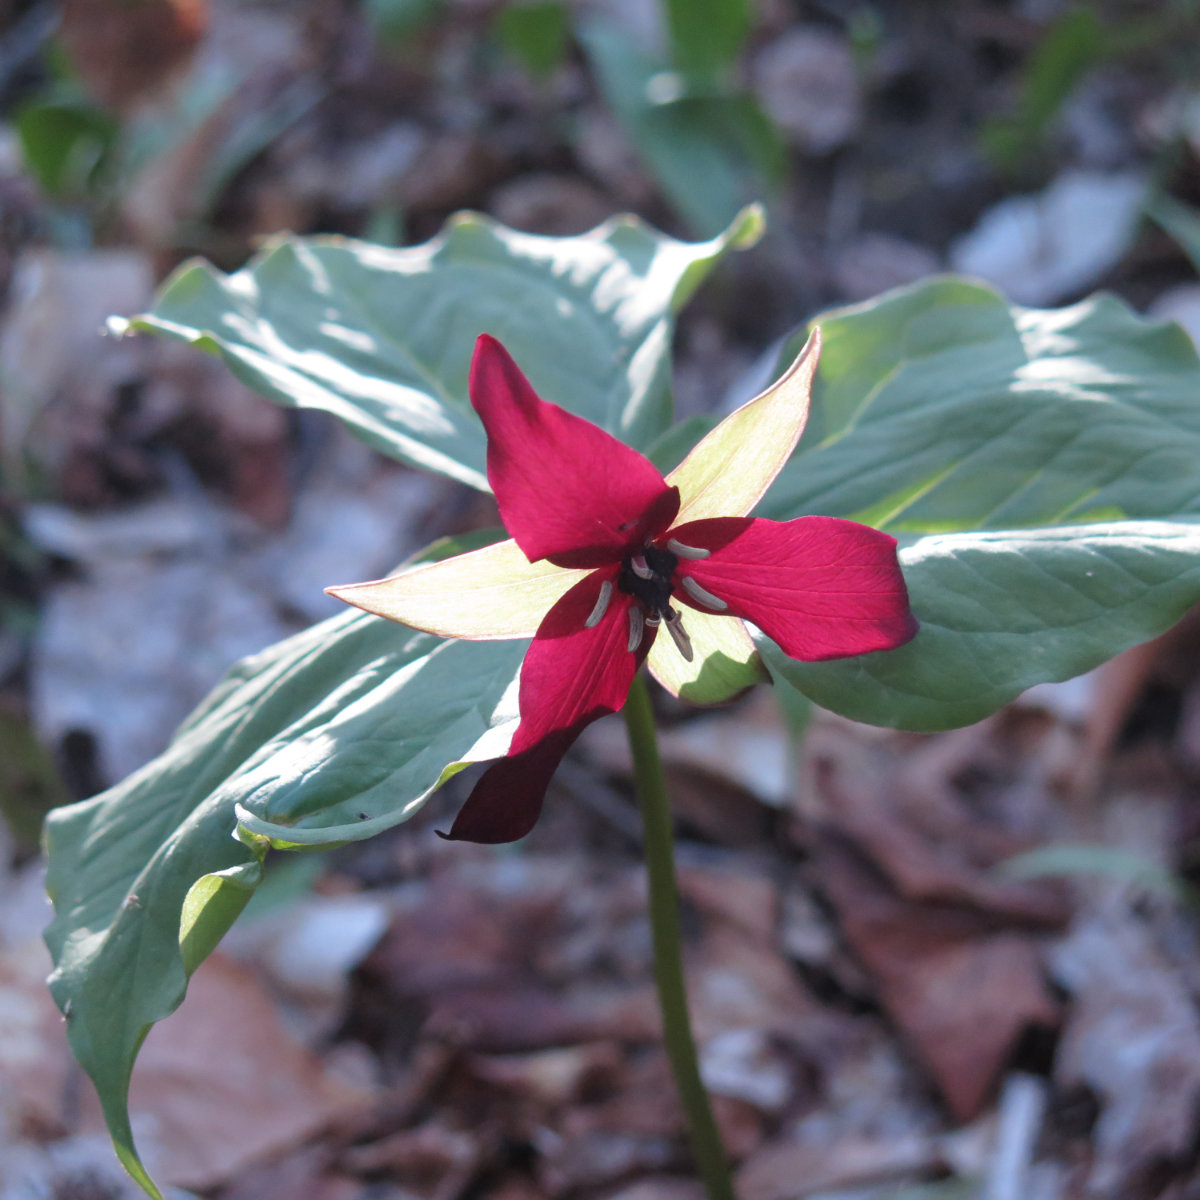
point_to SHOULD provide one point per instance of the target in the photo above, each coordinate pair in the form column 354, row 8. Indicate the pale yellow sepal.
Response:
column 727, row 472
column 724, row 660
column 484, row 595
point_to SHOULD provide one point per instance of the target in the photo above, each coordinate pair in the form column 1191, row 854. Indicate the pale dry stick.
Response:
column 1018, row 1123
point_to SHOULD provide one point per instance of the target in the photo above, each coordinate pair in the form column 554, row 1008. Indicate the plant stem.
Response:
column 668, row 962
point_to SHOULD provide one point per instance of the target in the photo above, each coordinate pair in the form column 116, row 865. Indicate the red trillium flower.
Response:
column 606, row 554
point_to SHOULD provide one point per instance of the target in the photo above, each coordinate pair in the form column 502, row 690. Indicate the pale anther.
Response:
column 636, row 622
column 702, row 594
column 679, row 636
column 682, row 551
column 606, row 591
column 641, row 568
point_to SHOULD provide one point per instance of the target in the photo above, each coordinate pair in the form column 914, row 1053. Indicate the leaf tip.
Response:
column 129, row 1159
column 748, row 227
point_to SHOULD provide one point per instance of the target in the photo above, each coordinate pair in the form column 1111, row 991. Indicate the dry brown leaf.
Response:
column 127, row 51
column 789, row 1170
column 551, row 1079
column 962, row 991
column 1133, row 1036
column 305, row 1173
column 36, row 1067
column 745, row 900
column 926, row 841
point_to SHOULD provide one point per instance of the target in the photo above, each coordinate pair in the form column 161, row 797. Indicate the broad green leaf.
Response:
column 940, row 408
column 1000, row 612
column 1058, row 452
column 382, row 338
column 331, row 736
column 710, row 152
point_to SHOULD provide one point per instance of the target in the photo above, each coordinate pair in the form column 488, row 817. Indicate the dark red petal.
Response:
column 507, row 801
column 566, row 488
column 571, row 676
column 818, row 586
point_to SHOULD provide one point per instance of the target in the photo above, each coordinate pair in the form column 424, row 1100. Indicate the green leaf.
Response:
column 669, row 450
column 30, row 783
column 1070, row 47
column 710, row 151
column 64, row 143
column 1058, row 454
column 1000, row 612
column 1111, row 862
column 329, row 737
column 1181, row 221
column 707, row 35
column 382, row 338
column 398, row 20
column 534, row 33
column 940, row 408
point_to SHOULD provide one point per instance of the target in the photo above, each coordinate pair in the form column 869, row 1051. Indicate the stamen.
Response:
column 641, row 568
column 679, row 636
column 636, row 624
column 702, row 594
column 606, row 591
column 682, row 551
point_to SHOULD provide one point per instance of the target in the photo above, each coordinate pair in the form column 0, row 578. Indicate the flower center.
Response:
column 646, row 576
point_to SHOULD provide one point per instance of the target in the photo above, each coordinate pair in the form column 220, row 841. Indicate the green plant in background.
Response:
column 397, row 20
column 1073, row 44
column 1081, row 859
column 703, row 136
column 535, row 33
column 1179, row 220
column 30, row 783
column 67, row 142
column 1038, row 468
column 85, row 157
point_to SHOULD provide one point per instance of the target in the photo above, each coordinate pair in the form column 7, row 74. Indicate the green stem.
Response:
column 668, row 962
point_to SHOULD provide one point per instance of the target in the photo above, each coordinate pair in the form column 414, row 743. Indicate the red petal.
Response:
column 566, row 489
column 507, row 800
column 571, row 676
column 818, row 586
